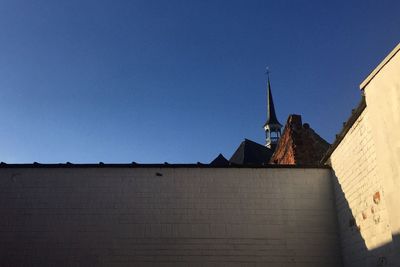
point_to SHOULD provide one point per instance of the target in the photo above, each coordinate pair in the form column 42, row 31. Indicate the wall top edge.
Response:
column 138, row 165
column 346, row 127
column 379, row 67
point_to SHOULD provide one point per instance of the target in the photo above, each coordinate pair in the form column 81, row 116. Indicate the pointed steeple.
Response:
column 271, row 114
column 272, row 126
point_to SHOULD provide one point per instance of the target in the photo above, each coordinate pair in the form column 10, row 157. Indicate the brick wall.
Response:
column 167, row 217
column 363, row 219
column 299, row 144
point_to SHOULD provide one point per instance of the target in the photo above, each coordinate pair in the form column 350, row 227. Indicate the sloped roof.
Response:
column 250, row 152
column 220, row 160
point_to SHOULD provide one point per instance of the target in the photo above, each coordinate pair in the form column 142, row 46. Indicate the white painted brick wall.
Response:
column 354, row 165
column 186, row 217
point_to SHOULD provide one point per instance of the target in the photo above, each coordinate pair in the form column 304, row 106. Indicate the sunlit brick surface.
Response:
column 363, row 222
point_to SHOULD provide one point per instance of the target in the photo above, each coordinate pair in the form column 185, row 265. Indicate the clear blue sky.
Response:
column 177, row 81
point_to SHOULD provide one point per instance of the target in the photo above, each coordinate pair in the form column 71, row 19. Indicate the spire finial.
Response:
column 267, row 72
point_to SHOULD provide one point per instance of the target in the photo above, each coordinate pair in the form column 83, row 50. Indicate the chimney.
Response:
column 294, row 122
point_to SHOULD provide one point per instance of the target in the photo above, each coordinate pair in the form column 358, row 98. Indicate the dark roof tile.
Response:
column 250, row 152
column 220, row 160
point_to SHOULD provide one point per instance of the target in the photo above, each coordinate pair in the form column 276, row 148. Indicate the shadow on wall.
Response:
column 355, row 227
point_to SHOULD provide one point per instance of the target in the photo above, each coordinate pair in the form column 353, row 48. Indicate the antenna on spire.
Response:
column 267, row 72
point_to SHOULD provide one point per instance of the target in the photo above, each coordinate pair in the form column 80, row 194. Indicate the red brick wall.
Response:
column 299, row 144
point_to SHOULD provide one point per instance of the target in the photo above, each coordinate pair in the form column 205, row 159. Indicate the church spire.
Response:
column 272, row 126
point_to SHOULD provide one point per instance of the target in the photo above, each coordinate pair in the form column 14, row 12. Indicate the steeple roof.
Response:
column 271, row 114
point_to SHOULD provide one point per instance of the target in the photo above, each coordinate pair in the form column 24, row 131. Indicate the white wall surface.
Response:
column 367, row 165
column 363, row 223
column 186, row 217
column 383, row 103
